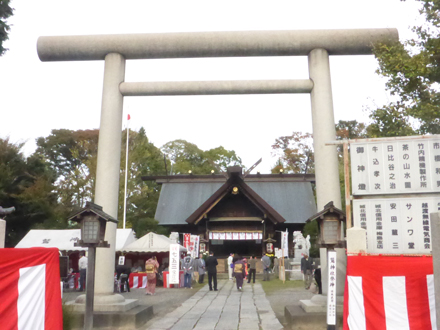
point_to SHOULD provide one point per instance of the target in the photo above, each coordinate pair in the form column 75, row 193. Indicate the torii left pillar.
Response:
column 107, row 173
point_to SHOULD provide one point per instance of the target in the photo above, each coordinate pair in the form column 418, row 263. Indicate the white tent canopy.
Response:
column 151, row 242
column 64, row 239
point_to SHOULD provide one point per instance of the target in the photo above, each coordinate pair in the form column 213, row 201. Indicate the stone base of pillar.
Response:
column 104, row 303
column 129, row 320
column 318, row 304
column 295, row 272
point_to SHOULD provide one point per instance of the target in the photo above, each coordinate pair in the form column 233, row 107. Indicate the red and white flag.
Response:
column 389, row 293
column 30, row 293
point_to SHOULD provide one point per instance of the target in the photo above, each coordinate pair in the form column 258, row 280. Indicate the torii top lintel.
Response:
column 213, row 44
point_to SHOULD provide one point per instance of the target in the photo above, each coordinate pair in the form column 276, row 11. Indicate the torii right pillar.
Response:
column 323, row 121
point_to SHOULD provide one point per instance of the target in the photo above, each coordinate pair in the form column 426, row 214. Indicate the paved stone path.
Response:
column 225, row 309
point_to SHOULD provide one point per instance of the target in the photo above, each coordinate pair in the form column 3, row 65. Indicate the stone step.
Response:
column 129, row 320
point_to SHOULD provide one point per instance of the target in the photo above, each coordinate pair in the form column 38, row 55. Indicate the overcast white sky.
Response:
column 36, row 97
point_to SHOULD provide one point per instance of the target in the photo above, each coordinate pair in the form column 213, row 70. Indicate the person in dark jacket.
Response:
column 123, row 270
column 306, row 269
column 239, row 272
column 252, row 268
column 318, row 279
column 211, row 267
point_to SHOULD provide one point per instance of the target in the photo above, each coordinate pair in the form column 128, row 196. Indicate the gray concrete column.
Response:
column 2, row 233
column 108, row 167
column 435, row 235
column 326, row 159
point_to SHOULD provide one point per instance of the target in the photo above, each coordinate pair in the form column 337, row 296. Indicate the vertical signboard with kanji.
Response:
column 174, row 264
column 285, row 236
column 331, row 290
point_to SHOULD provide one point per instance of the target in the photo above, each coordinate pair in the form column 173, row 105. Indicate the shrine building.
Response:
column 236, row 212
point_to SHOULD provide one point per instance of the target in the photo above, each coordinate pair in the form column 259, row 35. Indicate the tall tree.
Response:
column 350, row 129
column 413, row 72
column 5, row 12
column 142, row 196
column 73, row 157
column 294, row 153
column 26, row 184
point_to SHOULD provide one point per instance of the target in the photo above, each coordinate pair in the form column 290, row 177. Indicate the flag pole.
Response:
column 126, row 175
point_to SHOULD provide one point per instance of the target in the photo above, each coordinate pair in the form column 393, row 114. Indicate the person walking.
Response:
column 201, row 268
column 211, row 267
column 306, row 269
column 239, row 272
column 230, row 265
column 151, row 266
column 266, row 267
column 252, row 268
column 188, row 266
column 82, row 265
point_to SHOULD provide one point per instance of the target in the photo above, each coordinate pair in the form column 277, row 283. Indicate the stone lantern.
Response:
column 93, row 221
column 330, row 227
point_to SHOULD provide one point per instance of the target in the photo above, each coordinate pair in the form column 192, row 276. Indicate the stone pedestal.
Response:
column 295, row 272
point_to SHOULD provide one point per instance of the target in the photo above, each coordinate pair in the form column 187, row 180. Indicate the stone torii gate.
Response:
column 116, row 49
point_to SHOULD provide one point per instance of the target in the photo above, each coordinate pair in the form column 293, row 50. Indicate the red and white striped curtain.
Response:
column 30, row 293
column 389, row 293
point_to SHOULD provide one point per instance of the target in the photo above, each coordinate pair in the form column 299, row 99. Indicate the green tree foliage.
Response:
column 5, row 12
column 413, row 72
column 350, row 129
column 294, row 153
column 187, row 156
column 72, row 155
column 26, row 184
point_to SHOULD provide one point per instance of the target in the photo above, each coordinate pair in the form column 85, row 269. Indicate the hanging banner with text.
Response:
column 174, row 264
column 396, row 225
column 239, row 236
column 186, row 240
column 396, row 166
column 194, row 246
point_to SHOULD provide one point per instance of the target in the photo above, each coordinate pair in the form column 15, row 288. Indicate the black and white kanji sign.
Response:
column 395, row 167
column 396, row 225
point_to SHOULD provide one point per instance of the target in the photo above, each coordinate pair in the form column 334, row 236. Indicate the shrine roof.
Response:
column 292, row 200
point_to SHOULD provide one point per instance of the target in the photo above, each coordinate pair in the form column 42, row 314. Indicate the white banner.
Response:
column 398, row 166
column 229, row 236
column 285, row 241
column 396, row 225
column 242, row 236
column 194, row 246
column 331, row 290
column 174, row 264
